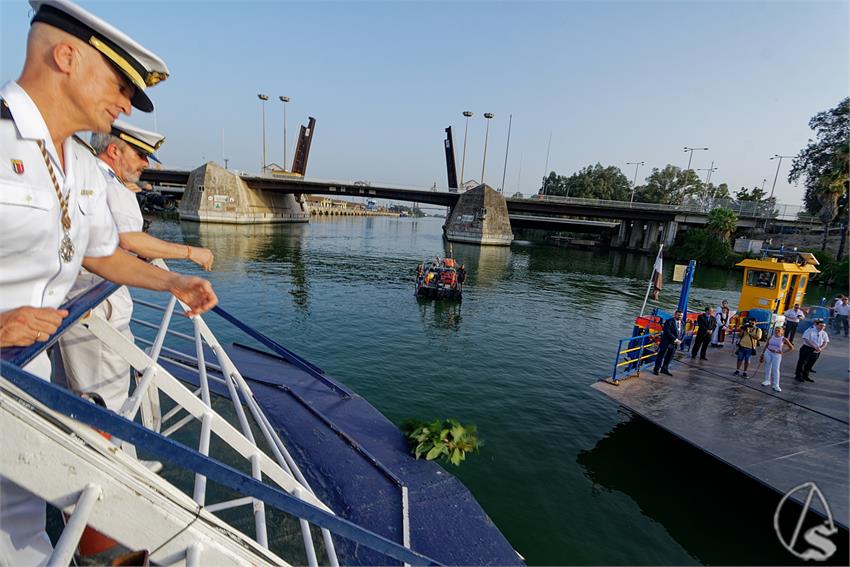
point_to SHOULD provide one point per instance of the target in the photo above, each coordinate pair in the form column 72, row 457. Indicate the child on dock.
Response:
column 771, row 356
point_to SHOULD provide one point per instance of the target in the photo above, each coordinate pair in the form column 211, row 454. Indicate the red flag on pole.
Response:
column 656, row 277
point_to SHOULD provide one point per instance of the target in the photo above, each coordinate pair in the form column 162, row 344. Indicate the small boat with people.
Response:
column 440, row 279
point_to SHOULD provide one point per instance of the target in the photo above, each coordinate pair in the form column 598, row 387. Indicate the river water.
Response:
column 567, row 476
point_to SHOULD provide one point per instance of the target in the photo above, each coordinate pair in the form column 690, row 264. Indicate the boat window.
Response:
column 802, row 282
column 784, row 281
column 760, row 278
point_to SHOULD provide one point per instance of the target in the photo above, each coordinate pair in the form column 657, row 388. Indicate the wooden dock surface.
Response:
column 783, row 439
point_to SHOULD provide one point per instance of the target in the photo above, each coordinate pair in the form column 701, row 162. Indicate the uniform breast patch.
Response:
column 18, row 166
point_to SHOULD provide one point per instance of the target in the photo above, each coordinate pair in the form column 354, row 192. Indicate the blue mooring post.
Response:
column 686, row 289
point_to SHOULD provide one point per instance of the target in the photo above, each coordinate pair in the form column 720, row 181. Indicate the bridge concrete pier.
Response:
column 480, row 216
column 214, row 194
column 619, row 238
column 650, row 235
column 668, row 237
column 636, row 235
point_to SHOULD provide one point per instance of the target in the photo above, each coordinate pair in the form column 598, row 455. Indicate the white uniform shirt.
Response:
column 842, row 309
column 122, row 202
column 819, row 338
column 31, row 271
column 794, row 315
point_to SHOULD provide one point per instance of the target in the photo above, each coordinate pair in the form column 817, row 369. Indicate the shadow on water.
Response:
column 698, row 499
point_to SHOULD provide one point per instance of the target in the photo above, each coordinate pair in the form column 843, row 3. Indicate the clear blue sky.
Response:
column 612, row 81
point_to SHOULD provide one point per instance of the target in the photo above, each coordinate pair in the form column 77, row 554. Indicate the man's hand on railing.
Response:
column 202, row 257
column 26, row 325
column 197, row 293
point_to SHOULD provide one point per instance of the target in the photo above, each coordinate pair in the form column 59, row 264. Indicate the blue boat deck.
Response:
column 356, row 460
column 782, row 439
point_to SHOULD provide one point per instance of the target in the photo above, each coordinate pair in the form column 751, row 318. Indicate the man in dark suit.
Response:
column 706, row 323
column 672, row 334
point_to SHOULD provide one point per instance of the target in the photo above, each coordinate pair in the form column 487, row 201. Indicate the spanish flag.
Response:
column 655, row 282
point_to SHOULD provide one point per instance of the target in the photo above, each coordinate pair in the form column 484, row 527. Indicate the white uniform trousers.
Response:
column 772, row 361
column 23, row 540
column 90, row 365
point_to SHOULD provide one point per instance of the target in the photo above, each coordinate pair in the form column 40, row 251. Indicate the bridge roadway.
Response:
column 548, row 206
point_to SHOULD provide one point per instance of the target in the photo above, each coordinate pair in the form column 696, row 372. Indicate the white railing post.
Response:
column 63, row 553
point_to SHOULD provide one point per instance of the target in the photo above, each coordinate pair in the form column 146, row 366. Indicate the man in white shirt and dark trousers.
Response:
column 792, row 319
column 842, row 312
column 815, row 341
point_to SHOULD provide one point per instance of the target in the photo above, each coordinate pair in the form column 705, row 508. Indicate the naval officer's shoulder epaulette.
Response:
column 84, row 144
column 5, row 111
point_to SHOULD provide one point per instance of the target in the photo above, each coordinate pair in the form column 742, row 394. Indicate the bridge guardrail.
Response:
column 747, row 209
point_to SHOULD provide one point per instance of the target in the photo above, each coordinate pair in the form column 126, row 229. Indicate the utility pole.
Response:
column 637, row 164
column 507, row 147
column 488, row 116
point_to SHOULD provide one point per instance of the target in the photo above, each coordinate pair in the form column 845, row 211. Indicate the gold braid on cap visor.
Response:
column 151, row 78
column 140, row 144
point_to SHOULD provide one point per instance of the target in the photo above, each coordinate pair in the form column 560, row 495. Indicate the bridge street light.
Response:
column 284, row 100
column 692, row 150
column 467, row 114
column 637, row 164
column 778, row 165
column 488, row 116
column 264, row 98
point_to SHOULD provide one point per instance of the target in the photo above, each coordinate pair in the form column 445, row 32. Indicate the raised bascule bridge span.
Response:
column 635, row 226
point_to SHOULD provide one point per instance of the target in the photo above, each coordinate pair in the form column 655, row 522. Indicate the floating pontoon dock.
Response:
column 782, row 439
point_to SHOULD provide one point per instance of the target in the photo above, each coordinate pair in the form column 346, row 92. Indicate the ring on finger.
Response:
column 37, row 335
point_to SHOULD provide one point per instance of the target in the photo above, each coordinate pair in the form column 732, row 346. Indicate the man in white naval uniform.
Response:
column 90, row 365
column 80, row 73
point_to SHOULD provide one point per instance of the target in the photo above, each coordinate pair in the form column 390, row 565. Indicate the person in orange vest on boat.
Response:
column 461, row 275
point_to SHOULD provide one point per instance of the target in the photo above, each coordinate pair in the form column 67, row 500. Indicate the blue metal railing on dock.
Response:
column 634, row 353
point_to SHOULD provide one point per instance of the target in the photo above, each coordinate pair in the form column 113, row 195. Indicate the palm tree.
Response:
column 722, row 223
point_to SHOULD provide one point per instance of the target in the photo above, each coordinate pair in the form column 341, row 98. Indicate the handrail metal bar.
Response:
column 143, row 323
column 77, row 308
column 65, row 402
column 63, row 553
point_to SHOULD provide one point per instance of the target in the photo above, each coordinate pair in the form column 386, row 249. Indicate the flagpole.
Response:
column 649, row 287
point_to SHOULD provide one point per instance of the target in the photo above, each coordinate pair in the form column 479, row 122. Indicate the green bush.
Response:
column 701, row 245
column 442, row 438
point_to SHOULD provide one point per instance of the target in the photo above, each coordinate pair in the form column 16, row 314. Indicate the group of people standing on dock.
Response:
column 713, row 324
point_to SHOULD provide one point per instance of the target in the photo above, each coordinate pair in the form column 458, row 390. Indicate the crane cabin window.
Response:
column 761, row 278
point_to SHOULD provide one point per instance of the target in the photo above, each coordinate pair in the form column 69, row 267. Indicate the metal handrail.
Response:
column 147, row 437
column 633, row 365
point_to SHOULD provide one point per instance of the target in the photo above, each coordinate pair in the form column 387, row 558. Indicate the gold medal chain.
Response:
column 63, row 201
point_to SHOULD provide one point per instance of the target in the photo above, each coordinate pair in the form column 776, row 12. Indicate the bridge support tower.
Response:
column 480, row 216
column 214, row 194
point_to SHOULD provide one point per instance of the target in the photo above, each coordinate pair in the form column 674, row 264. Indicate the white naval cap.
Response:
column 143, row 140
column 142, row 67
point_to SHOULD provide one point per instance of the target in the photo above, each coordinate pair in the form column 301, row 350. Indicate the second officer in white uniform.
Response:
column 90, row 365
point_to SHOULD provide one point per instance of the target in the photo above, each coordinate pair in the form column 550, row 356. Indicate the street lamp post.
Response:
column 467, row 114
column 692, row 150
column 488, row 116
column 507, row 148
column 778, row 165
column 637, row 164
column 264, row 98
column 284, row 100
